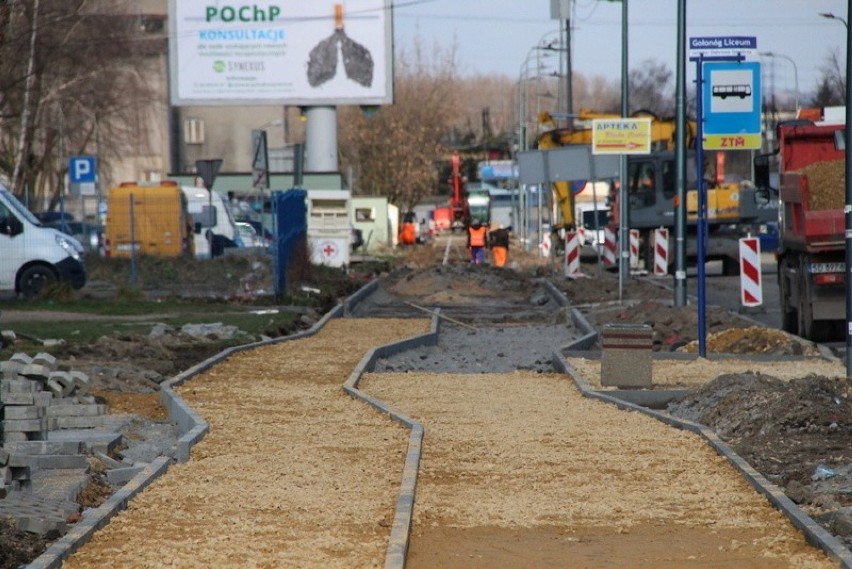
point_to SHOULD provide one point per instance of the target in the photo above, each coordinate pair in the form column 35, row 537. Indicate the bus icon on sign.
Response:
column 723, row 91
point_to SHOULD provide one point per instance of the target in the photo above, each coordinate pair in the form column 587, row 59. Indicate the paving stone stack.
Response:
column 35, row 399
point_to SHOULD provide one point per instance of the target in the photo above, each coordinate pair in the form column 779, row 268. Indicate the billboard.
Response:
column 280, row 52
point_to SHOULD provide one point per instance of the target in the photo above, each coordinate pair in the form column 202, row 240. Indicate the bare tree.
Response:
column 396, row 151
column 652, row 88
column 831, row 85
column 72, row 81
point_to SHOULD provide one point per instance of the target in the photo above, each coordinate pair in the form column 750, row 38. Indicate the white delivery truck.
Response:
column 211, row 215
column 32, row 255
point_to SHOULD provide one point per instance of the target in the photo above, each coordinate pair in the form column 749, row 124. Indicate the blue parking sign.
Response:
column 81, row 169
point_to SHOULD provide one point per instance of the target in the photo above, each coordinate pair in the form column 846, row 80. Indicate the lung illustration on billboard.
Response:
column 357, row 60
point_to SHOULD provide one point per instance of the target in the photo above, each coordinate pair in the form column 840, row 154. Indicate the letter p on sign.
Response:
column 81, row 169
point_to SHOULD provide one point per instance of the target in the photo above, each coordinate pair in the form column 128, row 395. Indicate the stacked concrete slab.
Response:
column 35, row 399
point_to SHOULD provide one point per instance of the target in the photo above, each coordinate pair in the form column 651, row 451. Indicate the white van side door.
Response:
column 13, row 249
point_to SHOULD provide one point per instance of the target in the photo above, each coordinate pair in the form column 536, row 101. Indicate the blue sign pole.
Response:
column 701, row 229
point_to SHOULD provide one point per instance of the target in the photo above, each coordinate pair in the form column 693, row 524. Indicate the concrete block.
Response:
column 42, row 398
column 14, row 437
column 17, row 460
column 12, row 412
column 85, row 399
column 45, row 447
column 24, row 425
column 20, row 386
column 10, row 473
column 76, row 410
column 60, row 383
column 46, row 360
column 79, row 422
column 626, row 355
column 60, row 461
column 21, row 358
column 4, row 457
column 36, row 371
column 121, row 476
column 11, row 369
column 17, row 398
column 81, row 381
column 109, row 461
column 92, row 440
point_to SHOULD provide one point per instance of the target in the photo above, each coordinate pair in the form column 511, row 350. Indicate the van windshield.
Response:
column 18, row 207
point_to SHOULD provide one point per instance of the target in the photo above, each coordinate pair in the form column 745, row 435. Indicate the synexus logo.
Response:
column 245, row 13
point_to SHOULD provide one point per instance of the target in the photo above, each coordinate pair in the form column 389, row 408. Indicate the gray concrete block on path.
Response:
column 626, row 355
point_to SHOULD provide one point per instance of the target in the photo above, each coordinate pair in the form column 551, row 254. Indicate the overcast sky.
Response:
column 496, row 36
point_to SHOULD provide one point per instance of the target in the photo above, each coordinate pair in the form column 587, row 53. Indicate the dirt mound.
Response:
column 673, row 326
column 602, row 286
column 755, row 340
column 797, row 433
column 459, row 282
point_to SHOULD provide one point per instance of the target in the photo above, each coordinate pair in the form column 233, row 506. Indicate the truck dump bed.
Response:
column 812, row 188
column 804, row 227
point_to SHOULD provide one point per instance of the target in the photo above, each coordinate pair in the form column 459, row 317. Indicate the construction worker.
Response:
column 498, row 240
column 408, row 231
column 477, row 241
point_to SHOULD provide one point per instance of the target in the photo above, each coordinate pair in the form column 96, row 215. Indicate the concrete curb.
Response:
column 815, row 534
column 401, row 529
column 96, row 518
column 192, row 428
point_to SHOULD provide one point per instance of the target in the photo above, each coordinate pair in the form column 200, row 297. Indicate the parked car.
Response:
column 53, row 216
column 91, row 236
column 249, row 236
column 261, row 230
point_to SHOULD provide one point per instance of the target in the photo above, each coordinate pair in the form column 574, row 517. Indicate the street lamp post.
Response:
column 831, row 16
column 848, row 188
column 795, row 70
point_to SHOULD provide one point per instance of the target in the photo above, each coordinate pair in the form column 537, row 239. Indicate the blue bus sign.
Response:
column 731, row 103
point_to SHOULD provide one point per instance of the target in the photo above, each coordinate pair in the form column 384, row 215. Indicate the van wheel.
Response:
column 33, row 279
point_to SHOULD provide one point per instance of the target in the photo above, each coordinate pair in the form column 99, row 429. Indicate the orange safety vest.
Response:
column 477, row 236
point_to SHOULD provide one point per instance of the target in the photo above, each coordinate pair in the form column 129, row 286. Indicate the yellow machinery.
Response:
column 662, row 138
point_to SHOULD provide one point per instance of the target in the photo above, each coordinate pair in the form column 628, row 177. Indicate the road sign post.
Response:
column 729, row 101
column 207, row 170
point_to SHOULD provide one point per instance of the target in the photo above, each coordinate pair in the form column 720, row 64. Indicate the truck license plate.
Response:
column 818, row 268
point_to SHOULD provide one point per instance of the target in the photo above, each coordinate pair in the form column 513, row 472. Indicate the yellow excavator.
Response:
column 662, row 139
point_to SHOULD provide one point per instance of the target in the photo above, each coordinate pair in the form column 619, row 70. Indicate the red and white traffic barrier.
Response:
column 661, row 252
column 634, row 248
column 572, row 254
column 751, row 287
column 609, row 247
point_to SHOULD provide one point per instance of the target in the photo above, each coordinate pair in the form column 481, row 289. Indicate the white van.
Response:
column 210, row 214
column 32, row 255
